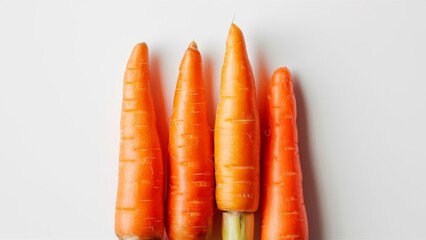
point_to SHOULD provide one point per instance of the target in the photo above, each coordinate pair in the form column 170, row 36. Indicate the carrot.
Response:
column 191, row 180
column 283, row 210
column 139, row 207
column 237, row 141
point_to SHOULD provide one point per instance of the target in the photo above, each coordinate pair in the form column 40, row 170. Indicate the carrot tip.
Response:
column 233, row 25
column 283, row 74
column 283, row 69
column 235, row 35
column 193, row 45
column 138, row 56
column 141, row 44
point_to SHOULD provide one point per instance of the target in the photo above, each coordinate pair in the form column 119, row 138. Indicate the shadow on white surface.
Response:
column 262, row 78
column 161, row 114
column 310, row 189
column 208, row 71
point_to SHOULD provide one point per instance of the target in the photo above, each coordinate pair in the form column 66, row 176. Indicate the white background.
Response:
column 360, row 76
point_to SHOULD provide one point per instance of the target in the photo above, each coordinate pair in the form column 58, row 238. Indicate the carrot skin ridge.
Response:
column 283, row 210
column 139, row 212
column 190, row 202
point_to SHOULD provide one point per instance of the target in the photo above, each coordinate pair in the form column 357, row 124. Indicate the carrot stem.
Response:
column 237, row 226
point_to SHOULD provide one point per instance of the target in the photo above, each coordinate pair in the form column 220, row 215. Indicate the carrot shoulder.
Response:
column 191, row 180
column 237, row 140
column 283, row 211
column 139, row 206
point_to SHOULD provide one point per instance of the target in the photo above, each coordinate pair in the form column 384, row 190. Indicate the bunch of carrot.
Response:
column 194, row 179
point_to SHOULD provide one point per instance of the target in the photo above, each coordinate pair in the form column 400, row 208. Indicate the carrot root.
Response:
column 283, row 209
column 190, row 202
column 139, row 212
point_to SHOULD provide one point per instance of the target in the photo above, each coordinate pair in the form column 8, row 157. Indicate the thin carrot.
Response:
column 191, row 180
column 139, row 207
column 237, row 141
column 283, row 210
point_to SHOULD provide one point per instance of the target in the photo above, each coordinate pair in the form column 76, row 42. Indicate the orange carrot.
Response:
column 139, row 207
column 191, row 180
column 283, row 210
column 237, row 141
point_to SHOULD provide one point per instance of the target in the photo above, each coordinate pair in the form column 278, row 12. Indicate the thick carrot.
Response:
column 191, row 181
column 237, row 141
column 283, row 210
column 139, row 207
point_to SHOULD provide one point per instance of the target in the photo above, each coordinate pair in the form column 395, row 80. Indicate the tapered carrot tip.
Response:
column 141, row 45
column 138, row 56
column 193, row 45
column 235, row 35
column 282, row 76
